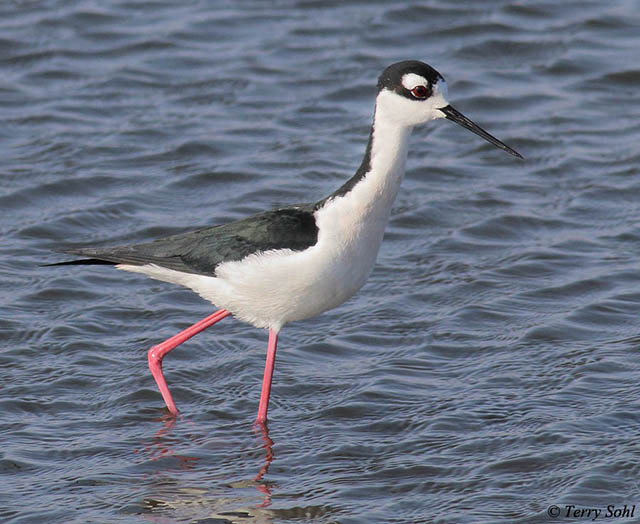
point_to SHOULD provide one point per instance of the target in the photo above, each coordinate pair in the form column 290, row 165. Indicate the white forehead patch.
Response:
column 411, row 80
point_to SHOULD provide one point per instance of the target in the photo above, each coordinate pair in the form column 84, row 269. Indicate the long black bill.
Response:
column 456, row 116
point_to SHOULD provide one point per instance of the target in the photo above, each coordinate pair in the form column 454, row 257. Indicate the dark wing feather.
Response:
column 201, row 251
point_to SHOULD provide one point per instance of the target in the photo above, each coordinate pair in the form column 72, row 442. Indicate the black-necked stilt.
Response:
column 296, row 262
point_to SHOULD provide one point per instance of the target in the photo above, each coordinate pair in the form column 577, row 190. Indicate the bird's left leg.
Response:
column 157, row 353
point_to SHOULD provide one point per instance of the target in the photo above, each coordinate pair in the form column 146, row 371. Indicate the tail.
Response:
column 92, row 257
column 82, row 262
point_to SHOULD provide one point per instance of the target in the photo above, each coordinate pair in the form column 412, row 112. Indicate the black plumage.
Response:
column 201, row 251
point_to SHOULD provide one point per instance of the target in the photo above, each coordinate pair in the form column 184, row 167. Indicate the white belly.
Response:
column 277, row 287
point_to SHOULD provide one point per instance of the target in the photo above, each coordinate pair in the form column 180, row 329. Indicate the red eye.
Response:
column 420, row 92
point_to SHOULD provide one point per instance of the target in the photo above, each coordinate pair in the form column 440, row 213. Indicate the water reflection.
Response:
column 184, row 497
column 262, row 485
column 163, row 445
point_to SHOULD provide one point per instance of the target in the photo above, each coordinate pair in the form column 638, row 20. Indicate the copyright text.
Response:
column 571, row 511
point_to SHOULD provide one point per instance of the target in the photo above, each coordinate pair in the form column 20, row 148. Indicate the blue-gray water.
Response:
column 489, row 368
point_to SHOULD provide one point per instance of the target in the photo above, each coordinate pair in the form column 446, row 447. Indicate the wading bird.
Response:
column 298, row 261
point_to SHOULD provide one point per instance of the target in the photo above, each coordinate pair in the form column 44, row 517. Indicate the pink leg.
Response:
column 268, row 375
column 157, row 353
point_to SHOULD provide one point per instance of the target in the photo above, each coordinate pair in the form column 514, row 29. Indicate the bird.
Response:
column 298, row 261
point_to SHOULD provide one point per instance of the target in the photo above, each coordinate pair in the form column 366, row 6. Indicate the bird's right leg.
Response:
column 268, row 377
column 157, row 353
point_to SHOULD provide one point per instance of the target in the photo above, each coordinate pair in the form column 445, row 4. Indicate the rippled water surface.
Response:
column 489, row 369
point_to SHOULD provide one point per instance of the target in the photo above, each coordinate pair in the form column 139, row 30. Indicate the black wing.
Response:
column 201, row 251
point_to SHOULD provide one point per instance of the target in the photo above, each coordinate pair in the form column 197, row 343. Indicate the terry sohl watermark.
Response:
column 571, row 511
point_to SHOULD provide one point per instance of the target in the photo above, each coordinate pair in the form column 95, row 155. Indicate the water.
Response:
column 488, row 369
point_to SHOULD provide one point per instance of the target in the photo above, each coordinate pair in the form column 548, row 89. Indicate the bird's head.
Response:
column 412, row 92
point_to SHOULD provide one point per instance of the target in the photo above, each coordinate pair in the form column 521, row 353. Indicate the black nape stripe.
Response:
column 364, row 168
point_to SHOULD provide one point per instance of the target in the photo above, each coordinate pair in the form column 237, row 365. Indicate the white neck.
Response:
column 360, row 209
column 389, row 145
